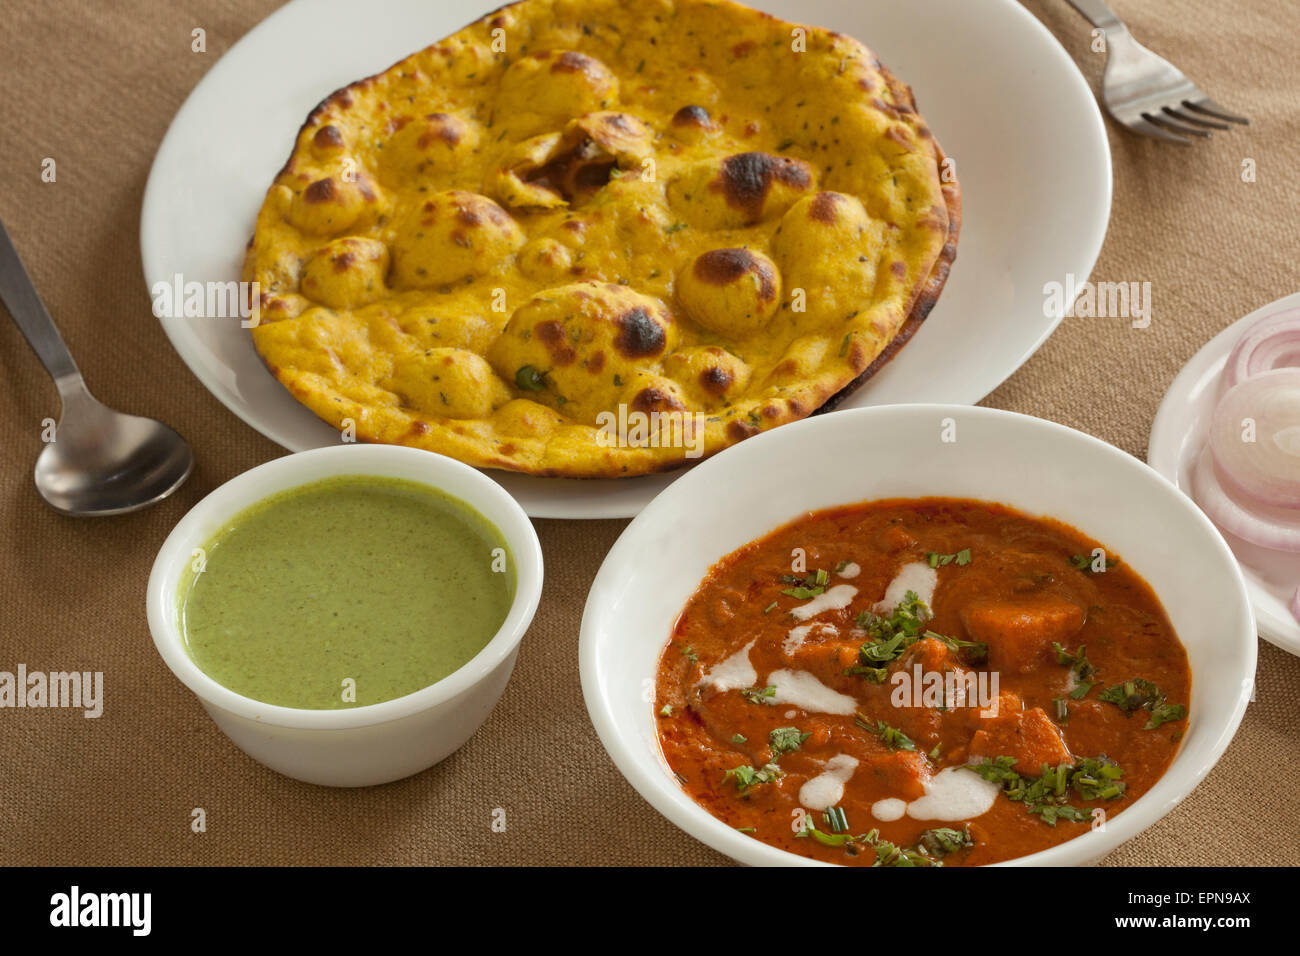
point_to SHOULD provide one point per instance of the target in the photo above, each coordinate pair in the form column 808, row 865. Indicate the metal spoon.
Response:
column 102, row 462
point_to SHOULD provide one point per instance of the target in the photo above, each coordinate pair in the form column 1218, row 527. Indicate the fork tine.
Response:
column 1167, row 124
column 1211, row 108
column 1148, row 128
column 1186, row 117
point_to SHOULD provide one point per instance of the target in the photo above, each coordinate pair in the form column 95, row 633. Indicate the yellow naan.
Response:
column 573, row 210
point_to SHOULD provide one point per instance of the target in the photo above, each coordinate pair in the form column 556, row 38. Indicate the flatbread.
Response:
column 575, row 218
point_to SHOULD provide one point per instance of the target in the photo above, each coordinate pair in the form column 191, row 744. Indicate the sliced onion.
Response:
column 1252, row 488
column 1255, row 439
column 1271, row 343
column 1276, row 528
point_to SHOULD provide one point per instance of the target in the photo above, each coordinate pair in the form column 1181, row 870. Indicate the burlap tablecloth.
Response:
column 95, row 85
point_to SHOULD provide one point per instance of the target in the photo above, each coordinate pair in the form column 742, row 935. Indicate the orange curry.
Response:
column 921, row 682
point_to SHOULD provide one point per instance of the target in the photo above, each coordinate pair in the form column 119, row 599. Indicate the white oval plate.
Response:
column 1177, row 437
column 1039, row 467
column 1001, row 94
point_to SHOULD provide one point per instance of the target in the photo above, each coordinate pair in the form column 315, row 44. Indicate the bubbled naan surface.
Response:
column 573, row 206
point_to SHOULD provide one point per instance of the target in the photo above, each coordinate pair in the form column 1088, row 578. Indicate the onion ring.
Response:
column 1247, row 479
column 1271, row 343
column 1273, row 528
column 1255, row 439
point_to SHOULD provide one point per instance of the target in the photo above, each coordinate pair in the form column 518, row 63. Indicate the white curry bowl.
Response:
column 372, row 743
column 900, row 451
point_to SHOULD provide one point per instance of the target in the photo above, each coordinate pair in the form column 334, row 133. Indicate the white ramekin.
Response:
column 375, row 743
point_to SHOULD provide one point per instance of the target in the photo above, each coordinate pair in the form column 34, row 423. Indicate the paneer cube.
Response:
column 1020, row 631
column 1027, row 735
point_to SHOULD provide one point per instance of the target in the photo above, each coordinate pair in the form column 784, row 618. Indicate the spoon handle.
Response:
column 28, row 312
column 1098, row 13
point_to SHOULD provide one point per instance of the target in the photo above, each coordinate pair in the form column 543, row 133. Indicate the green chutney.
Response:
column 345, row 592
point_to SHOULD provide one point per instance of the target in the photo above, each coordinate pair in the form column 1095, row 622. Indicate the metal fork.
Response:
column 1146, row 92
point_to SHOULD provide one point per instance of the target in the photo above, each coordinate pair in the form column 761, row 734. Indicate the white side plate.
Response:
column 1177, row 437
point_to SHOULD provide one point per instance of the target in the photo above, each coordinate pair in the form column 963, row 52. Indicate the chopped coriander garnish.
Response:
column 690, row 655
column 530, row 379
column 786, row 739
column 882, row 652
column 944, row 840
column 769, row 607
column 875, row 675
column 891, row 737
column 1080, row 666
column 891, row 636
column 1138, row 694
column 675, row 227
column 739, row 739
column 746, row 776
column 809, row 829
column 979, row 651
column 666, row 710
column 934, row 754
column 1132, row 695
column 807, row 587
column 887, row 854
column 745, row 830
column 813, row 584
column 1084, row 563
column 1050, row 813
column 837, row 820
column 756, row 695
column 1078, row 661
column 1047, row 795
column 803, row 593
column 960, row 558
column 1097, row 778
column 997, row 770
column 906, row 619
column 1163, row 713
